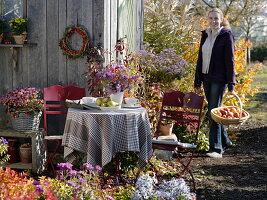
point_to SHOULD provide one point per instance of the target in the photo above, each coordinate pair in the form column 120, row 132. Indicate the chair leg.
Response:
column 51, row 156
column 186, row 168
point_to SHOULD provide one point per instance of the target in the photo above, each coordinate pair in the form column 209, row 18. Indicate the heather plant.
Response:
column 23, row 100
column 176, row 188
column 162, row 68
column 4, row 157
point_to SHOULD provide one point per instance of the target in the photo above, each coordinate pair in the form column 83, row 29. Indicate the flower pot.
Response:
column 13, row 150
column 166, row 129
column 117, row 97
column 25, row 154
column 1, row 37
column 19, row 39
column 26, row 123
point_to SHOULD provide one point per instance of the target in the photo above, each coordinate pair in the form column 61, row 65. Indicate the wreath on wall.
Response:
column 65, row 44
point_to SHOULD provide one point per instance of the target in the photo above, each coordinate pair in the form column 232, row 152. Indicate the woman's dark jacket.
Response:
column 221, row 67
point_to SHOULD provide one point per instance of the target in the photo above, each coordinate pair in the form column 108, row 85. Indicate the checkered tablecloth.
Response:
column 101, row 134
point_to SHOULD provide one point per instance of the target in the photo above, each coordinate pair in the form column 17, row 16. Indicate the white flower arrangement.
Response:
column 174, row 189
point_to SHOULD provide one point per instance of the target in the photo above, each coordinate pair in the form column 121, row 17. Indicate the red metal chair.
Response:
column 54, row 104
column 183, row 109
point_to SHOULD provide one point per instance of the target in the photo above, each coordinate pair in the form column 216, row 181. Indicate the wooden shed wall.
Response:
column 45, row 65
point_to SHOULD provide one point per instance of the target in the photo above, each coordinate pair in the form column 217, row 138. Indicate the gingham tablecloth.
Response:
column 101, row 134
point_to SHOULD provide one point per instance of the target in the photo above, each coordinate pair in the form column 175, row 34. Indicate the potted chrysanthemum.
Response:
column 19, row 26
column 24, row 105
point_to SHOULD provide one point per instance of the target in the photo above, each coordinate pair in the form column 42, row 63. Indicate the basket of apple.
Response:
column 230, row 115
column 107, row 104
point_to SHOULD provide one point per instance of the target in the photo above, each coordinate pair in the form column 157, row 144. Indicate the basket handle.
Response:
column 239, row 101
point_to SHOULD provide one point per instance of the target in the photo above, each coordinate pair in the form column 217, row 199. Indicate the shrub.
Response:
column 259, row 53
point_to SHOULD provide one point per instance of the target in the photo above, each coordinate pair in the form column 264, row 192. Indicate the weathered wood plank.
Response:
column 6, row 75
column 62, row 60
column 37, row 64
column 52, row 42
column 72, row 64
column 113, row 23
column 139, row 26
column 87, row 21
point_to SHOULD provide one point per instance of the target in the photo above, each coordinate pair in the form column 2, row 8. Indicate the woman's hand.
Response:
column 231, row 92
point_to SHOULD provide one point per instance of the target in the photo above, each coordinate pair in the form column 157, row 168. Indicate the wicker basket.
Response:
column 26, row 123
column 225, row 121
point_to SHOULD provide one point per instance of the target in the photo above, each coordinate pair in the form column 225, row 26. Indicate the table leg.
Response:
column 117, row 168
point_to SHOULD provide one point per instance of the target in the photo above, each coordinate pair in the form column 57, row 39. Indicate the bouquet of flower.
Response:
column 19, row 25
column 23, row 100
column 116, row 78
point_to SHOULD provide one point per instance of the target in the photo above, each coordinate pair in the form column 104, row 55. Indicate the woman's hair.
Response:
column 225, row 23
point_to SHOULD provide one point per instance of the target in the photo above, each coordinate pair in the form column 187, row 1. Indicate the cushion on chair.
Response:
column 179, row 144
column 53, row 137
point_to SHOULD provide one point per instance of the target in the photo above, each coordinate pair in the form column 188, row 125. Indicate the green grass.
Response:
column 257, row 106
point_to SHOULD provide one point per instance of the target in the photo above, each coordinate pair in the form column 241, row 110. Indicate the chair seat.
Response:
column 174, row 143
column 53, row 137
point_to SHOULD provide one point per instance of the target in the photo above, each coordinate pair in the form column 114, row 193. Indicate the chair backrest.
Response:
column 182, row 108
column 55, row 97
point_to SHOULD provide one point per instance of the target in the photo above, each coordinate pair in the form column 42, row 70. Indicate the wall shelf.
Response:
column 19, row 45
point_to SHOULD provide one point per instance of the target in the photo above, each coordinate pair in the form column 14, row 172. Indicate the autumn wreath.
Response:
column 65, row 46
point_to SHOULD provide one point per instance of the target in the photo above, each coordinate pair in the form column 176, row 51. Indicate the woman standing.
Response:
column 215, row 69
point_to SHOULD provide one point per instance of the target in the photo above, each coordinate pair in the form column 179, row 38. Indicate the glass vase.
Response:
column 117, row 97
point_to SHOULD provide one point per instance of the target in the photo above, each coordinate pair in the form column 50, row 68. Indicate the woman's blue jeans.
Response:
column 218, row 137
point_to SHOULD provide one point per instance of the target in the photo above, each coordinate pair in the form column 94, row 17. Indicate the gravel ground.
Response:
column 241, row 173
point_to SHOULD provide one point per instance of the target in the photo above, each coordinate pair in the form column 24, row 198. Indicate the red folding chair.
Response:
column 183, row 109
column 54, row 104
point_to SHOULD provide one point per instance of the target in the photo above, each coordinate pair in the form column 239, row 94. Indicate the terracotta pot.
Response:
column 166, row 129
column 25, row 154
column 19, row 39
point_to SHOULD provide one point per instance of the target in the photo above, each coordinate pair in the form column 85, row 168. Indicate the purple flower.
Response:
column 46, row 183
column 73, row 172
column 4, row 140
column 110, row 198
column 65, row 166
column 36, row 183
column 39, row 188
column 88, row 166
column 81, row 180
column 98, row 168
column 78, row 187
column 70, row 183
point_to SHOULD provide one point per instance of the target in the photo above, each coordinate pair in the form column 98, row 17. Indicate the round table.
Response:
column 101, row 134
